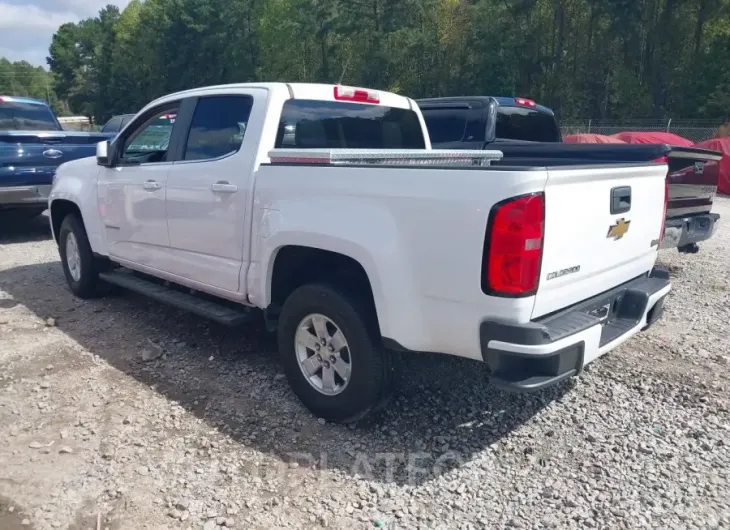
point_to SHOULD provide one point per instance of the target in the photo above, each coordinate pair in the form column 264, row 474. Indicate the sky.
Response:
column 27, row 26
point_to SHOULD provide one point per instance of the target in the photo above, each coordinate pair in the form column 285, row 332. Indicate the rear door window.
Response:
column 311, row 124
column 218, row 126
column 520, row 123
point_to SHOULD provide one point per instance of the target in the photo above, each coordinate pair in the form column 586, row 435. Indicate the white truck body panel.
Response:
column 391, row 221
column 418, row 232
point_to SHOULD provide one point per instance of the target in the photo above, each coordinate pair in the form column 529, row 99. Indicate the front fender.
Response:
column 76, row 182
column 367, row 233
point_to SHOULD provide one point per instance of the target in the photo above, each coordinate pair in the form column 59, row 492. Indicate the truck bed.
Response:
column 506, row 123
column 693, row 172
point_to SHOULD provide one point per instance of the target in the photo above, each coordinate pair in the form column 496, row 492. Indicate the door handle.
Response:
column 223, row 186
column 620, row 200
column 151, row 185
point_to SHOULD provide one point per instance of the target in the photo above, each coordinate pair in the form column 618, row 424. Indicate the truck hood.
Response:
column 31, row 157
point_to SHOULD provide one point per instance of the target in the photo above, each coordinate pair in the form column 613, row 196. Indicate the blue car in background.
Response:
column 32, row 145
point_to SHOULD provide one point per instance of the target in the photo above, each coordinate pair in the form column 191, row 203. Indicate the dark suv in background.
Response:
column 117, row 123
column 528, row 134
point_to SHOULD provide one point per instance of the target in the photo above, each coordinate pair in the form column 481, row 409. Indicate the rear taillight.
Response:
column 359, row 95
column 526, row 102
column 513, row 246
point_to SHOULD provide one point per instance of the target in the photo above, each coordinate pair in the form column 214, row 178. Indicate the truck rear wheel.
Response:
column 332, row 353
column 80, row 266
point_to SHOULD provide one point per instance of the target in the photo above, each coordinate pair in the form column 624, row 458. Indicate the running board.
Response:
column 220, row 313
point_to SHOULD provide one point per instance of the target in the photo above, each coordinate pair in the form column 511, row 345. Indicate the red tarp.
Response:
column 588, row 138
column 653, row 137
column 722, row 145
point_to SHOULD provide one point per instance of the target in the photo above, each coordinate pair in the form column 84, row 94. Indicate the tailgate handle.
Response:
column 620, row 199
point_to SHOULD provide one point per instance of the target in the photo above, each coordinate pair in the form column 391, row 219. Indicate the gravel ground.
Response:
column 121, row 413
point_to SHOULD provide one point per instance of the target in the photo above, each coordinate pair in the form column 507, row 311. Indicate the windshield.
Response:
column 22, row 116
column 519, row 123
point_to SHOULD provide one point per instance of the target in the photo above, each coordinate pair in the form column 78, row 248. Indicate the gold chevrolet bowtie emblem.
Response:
column 618, row 230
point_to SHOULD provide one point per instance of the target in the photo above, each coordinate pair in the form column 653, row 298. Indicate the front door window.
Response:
column 151, row 141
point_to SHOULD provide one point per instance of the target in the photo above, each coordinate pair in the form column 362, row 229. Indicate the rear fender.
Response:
column 369, row 236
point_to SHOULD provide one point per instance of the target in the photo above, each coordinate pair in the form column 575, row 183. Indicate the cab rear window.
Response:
column 22, row 116
column 521, row 123
column 311, row 124
column 445, row 126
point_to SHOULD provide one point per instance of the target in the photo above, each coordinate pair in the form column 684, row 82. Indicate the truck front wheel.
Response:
column 80, row 266
column 331, row 351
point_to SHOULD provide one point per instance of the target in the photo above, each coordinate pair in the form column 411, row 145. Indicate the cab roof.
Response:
column 505, row 101
column 316, row 91
column 481, row 101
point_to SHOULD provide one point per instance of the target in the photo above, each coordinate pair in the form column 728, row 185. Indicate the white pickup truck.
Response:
column 325, row 207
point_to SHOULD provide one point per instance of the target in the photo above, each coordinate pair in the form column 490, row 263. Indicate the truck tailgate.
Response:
column 602, row 228
column 693, row 176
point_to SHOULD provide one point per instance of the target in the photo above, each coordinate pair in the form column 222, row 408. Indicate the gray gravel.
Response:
column 135, row 415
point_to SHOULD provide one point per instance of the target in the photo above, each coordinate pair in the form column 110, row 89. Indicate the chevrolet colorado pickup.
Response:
column 527, row 133
column 325, row 208
column 32, row 145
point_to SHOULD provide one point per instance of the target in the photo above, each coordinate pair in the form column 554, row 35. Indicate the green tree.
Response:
column 585, row 58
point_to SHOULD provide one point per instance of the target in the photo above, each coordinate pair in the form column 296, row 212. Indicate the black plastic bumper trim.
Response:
column 523, row 373
column 624, row 308
column 627, row 301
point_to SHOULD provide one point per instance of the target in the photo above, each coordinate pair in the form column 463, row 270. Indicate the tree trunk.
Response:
column 325, row 62
column 376, row 18
column 664, row 57
column 700, row 26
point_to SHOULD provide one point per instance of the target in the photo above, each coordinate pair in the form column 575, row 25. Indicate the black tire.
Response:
column 370, row 380
column 88, row 285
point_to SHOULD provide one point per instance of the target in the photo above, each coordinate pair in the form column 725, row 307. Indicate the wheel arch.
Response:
column 59, row 209
column 295, row 265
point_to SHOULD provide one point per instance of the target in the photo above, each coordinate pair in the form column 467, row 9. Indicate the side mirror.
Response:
column 102, row 153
